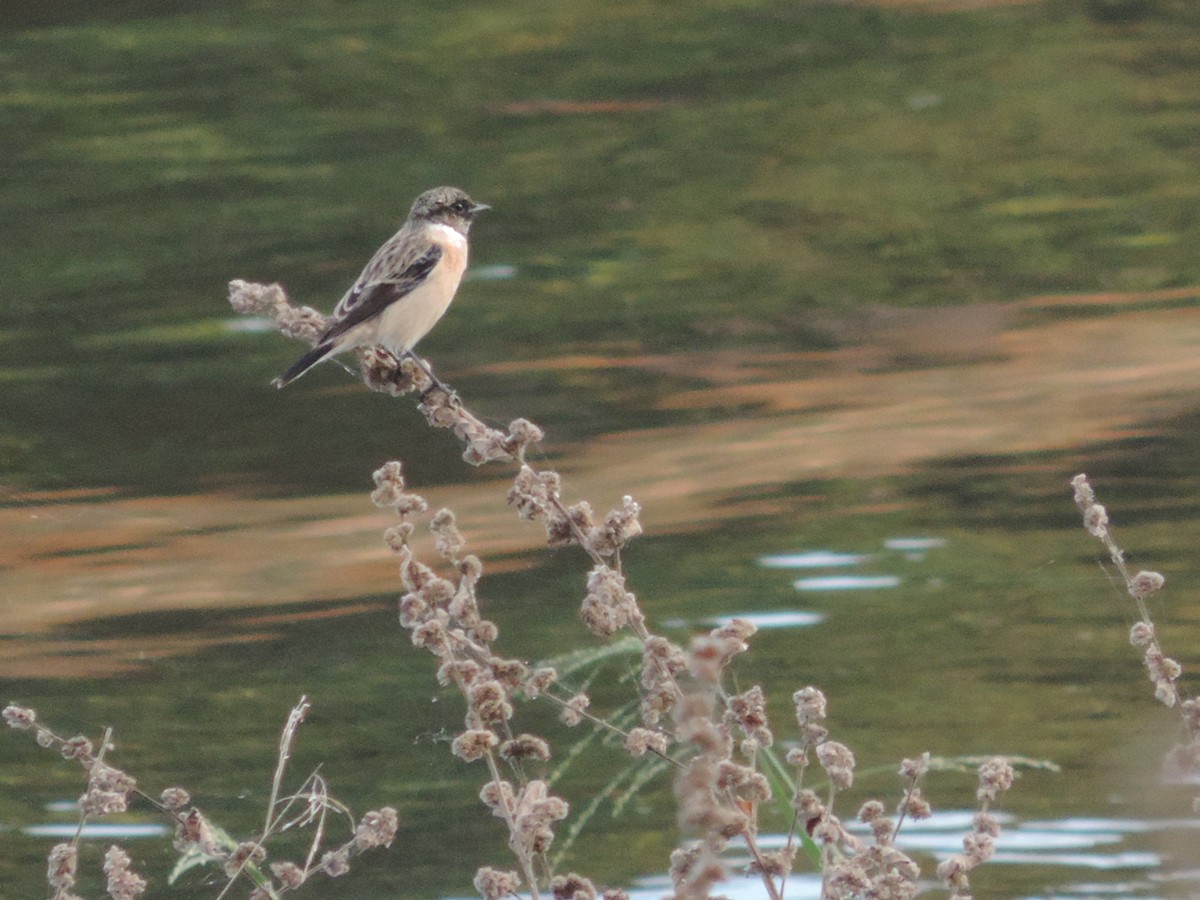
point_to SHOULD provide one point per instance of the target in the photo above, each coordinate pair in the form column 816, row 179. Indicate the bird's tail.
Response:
column 304, row 363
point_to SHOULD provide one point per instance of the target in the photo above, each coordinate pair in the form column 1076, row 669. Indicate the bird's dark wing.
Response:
column 369, row 300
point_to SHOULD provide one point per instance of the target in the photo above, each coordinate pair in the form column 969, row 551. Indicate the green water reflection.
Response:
column 692, row 176
column 725, row 177
column 1002, row 640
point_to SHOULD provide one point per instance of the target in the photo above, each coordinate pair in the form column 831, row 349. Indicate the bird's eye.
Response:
column 462, row 206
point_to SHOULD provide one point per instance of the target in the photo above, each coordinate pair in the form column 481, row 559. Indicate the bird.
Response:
column 406, row 287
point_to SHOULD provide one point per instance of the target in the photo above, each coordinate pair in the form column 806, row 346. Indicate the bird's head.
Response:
column 446, row 206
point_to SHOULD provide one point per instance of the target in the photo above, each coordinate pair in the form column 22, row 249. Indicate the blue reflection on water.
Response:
column 784, row 618
column 814, row 559
column 96, row 830
column 846, row 582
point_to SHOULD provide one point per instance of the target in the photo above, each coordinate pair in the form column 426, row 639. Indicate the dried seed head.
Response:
column 288, row 873
column 449, row 541
column 382, row 372
column 335, row 863
column 986, row 823
column 537, row 683
column 494, row 884
column 978, row 847
column 870, row 811
column 521, row 434
column 1191, row 714
column 1145, row 583
column 808, row 804
column 389, row 490
column 60, row 866
column 639, row 741
column 123, row 882
column 995, row 776
column 525, row 746
column 489, row 700
column 1084, row 496
column 175, row 798
column 376, row 829
column 706, row 658
column 77, row 747
column 509, row 672
column 20, row 717
column 915, row 806
column 498, row 796
column 620, row 526
column 1095, row 520
column 749, row 710
column 572, row 713
column 608, row 606
column 953, row 871
column 838, row 763
column 1141, row 634
column 912, row 769
column 810, row 705
column 530, row 494
column 572, row 887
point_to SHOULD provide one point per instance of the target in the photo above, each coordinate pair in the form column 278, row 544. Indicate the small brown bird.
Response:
column 406, row 287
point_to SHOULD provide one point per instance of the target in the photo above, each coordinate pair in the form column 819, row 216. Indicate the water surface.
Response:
column 849, row 288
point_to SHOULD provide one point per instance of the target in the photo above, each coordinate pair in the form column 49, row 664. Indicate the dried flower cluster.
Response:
column 850, row 867
column 1182, row 762
column 719, row 734
column 109, row 790
column 123, row 882
column 1163, row 671
column 384, row 372
column 300, row 322
column 719, row 789
column 444, row 617
column 608, row 605
column 685, row 706
column 995, row 777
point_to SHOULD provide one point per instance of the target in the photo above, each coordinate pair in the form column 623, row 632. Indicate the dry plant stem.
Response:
column 444, row 619
column 638, row 620
column 1164, row 671
column 995, row 777
column 477, row 722
column 1182, row 763
column 442, row 408
column 287, row 743
column 719, row 797
column 608, row 726
column 109, row 790
column 105, row 746
column 912, row 770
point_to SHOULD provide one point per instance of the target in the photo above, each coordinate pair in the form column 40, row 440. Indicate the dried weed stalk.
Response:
column 718, row 741
column 110, row 790
column 716, row 738
column 1182, row 762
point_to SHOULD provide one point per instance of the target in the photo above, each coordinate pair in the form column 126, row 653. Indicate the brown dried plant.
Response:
column 689, row 717
column 718, row 742
column 110, row 790
column 1182, row 762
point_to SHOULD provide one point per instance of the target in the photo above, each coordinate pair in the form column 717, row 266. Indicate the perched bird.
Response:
column 406, row 287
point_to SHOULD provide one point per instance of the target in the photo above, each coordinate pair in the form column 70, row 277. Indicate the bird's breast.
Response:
column 409, row 319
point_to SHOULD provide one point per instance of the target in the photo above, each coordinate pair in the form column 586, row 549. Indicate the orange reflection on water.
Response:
column 925, row 385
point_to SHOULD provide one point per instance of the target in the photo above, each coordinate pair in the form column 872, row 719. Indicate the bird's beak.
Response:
column 478, row 208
